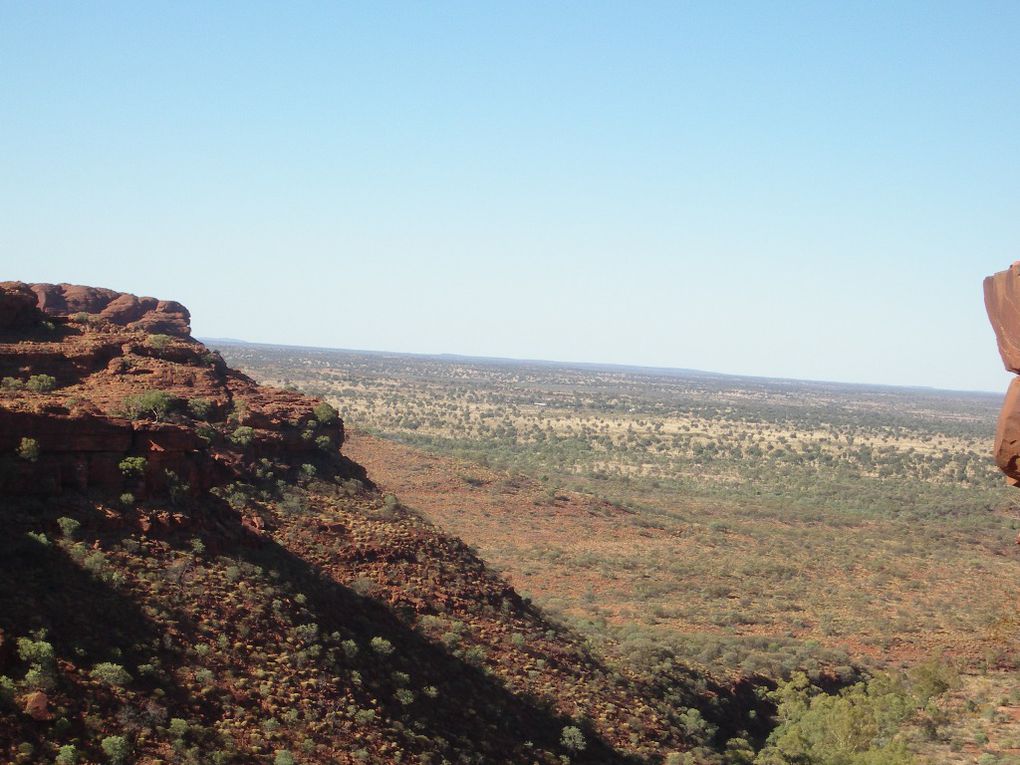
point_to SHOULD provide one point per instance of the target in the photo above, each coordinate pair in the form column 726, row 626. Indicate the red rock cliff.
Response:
column 89, row 377
column 1002, row 301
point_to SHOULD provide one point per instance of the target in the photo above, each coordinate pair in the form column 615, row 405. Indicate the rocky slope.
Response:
column 85, row 380
column 190, row 572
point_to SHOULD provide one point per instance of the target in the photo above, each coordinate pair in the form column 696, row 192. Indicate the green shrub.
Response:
column 573, row 739
column 69, row 527
column 242, row 436
column 283, row 757
column 111, row 674
column 6, row 691
column 200, row 407
column 175, row 487
column 132, row 467
column 154, row 404
column 67, row 755
column 178, row 728
column 857, row 726
column 159, row 342
column 40, row 655
column 41, row 383
column 381, row 646
column 36, row 652
column 28, row 449
column 117, row 749
column 12, row 383
column 95, row 563
column 324, row 443
column 325, row 413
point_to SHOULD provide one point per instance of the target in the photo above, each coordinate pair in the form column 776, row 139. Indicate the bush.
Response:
column 41, row 383
column 67, row 755
column 381, row 646
column 111, row 674
column 283, row 757
column 571, row 738
column 159, row 342
column 12, row 383
column 858, row 725
column 6, row 691
column 69, row 527
column 178, row 728
column 39, row 654
column 154, row 404
column 132, row 467
column 200, row 407
column 117, row 749
column 28, row 449
column 325, row 413
column 243, row 436
column 324, row 443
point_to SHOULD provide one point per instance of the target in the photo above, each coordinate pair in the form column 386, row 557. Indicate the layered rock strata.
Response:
column 90, row 377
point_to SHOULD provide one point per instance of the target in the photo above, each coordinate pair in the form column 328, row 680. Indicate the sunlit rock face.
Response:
column 1002, row 301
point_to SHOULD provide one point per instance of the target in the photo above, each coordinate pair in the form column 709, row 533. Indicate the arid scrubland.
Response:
column 749, row 525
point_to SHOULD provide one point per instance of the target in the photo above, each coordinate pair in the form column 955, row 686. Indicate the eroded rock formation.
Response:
column 120, row 308
column 89, row 377
column 1002, row 301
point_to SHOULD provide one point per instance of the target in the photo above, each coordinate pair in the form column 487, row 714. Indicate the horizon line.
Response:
column 603, row 365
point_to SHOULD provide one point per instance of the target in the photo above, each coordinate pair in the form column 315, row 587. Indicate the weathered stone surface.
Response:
column 17, row 306
column 121, row 308
column 1002, row 301
column 37, row 706
column 1007, row 434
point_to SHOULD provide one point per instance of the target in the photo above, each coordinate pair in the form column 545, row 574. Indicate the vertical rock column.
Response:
column 1002, row 301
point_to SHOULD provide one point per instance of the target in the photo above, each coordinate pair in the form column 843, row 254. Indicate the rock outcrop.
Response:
column 1002, row 301
column 121, row 308
column 18, row 308
column 90, row 377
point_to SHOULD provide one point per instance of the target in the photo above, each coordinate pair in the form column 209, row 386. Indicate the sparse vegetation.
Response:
column 159, row 342
column 28, row 449
column 41, row 383
column 242, row 436
column 133, row 467
column 154, row 404
column 200, row 408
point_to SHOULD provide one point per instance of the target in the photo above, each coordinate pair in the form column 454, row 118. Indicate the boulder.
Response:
column 17, row 306
column 37, row 706
column 1002, row 302
column 1007, row 435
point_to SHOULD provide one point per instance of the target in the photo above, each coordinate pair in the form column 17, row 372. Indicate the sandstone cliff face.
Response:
column 1002, row 301
column 89, row 377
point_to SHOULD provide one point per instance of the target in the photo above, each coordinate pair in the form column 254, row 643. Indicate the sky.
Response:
column 807, row 190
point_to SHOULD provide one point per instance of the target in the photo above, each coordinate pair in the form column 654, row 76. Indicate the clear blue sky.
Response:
column 805, row 190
